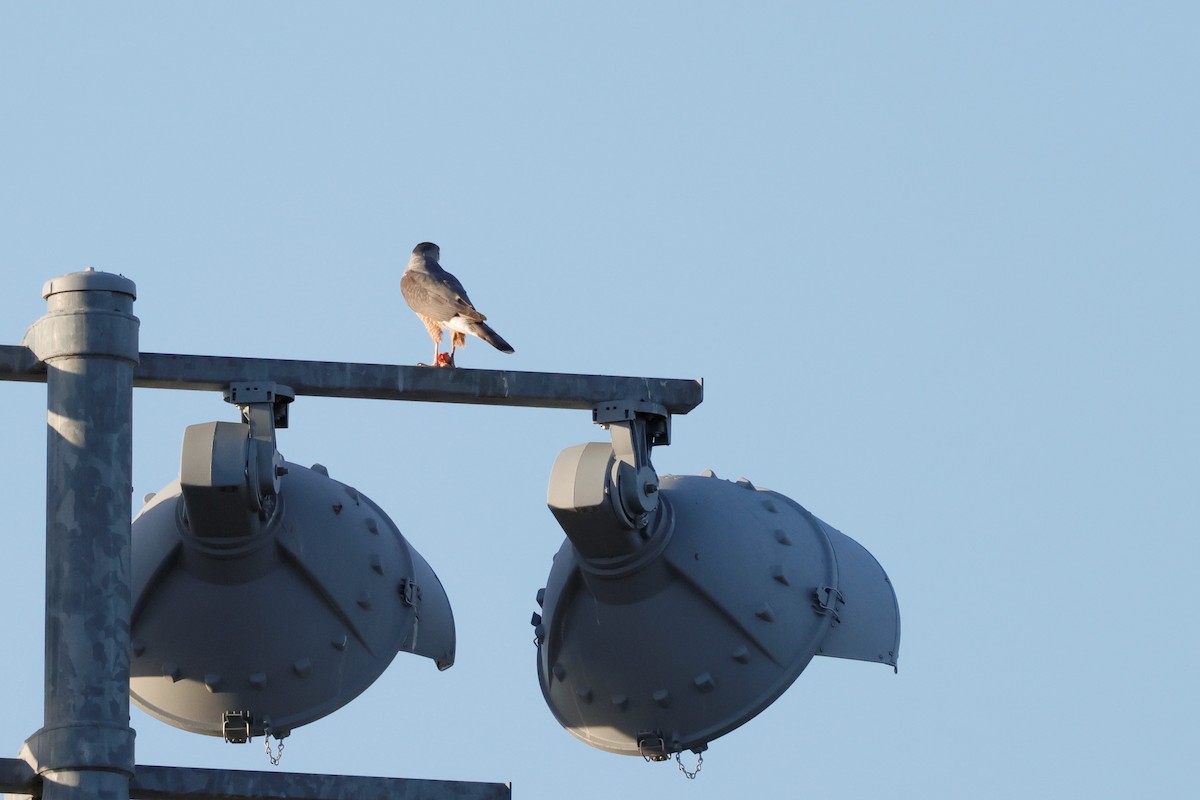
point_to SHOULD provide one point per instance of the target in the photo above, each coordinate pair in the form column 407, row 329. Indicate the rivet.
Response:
column 782, row 537
column 662, row 698
column 258, row 680
column 765, row 613
column 340, row 642
column 559, row 670
column 770, row 506
column 741, row 654
column 212, row 682
column 350, row 490
column 321, row 469
column 171, row 670
column 377, row 563
column 372, row 526
column 704, row 682
column 745, row 483
column 337, row 508
column 364, row 600
column 584, row 693
column 302, row 667
column 778, row 574
column 137, row 646
column 621, row 701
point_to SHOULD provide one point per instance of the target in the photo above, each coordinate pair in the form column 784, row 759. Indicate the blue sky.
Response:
column 937, row 264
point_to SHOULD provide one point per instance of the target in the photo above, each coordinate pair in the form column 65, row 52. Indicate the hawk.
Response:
column 441, row 302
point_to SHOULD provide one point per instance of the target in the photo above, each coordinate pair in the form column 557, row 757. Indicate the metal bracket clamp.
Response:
column 606, row 497
column 656, row 418
column 264, row 407
column 80, row 746
column 237, row 726
column 635, row 427
column 652, row 746
column 826, row 600
column 264, row 404
column 229, row 471
column 410, row 593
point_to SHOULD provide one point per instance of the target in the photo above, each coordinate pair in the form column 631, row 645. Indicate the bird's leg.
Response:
column 443, row 359
column 435, row 333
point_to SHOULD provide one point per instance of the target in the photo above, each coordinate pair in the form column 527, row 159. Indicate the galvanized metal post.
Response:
column 89, row 343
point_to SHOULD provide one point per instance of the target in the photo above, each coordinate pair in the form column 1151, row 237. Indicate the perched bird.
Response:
column 441, row 302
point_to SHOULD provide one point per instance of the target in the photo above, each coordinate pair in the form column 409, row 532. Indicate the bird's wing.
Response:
column 440, row 297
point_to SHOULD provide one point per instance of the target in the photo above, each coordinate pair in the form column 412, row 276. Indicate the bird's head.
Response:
column 428, row 250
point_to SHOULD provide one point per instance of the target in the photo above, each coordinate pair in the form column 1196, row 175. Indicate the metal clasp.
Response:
column 235, row 726
column 410, row 592
column 826, row 600
column 652, row 747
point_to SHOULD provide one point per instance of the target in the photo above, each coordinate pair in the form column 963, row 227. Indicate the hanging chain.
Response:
column 276, row 756
column 690, row 775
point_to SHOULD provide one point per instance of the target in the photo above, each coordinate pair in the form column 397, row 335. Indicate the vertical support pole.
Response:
column 89, row 343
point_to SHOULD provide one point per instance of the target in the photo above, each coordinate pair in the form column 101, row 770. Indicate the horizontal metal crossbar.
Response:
column 387, row 381
column 187, row 783
column 17, row 777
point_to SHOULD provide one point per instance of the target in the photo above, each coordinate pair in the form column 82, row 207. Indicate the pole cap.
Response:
column 89, row 281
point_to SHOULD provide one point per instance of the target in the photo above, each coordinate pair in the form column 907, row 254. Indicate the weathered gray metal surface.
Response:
column 183, row 783
column 177, row 783
column 388, row 381
column 18, row 363
column 356, row 593
column 674, row 637
column 868, row 626
column 17, row 777
column 88, row 342
column 86, row 351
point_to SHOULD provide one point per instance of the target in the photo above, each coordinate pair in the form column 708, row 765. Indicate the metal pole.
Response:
column 89, row 343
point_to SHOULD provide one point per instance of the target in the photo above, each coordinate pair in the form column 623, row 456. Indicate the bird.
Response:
column 441, row 302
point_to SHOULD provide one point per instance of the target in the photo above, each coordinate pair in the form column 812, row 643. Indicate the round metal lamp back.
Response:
column 282, row 627
column 705, row 636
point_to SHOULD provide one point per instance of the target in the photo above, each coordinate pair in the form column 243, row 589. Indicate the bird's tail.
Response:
column 485, row 332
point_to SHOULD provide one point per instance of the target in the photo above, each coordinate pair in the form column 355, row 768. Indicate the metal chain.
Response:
column 274, row 757
column 690, row 775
